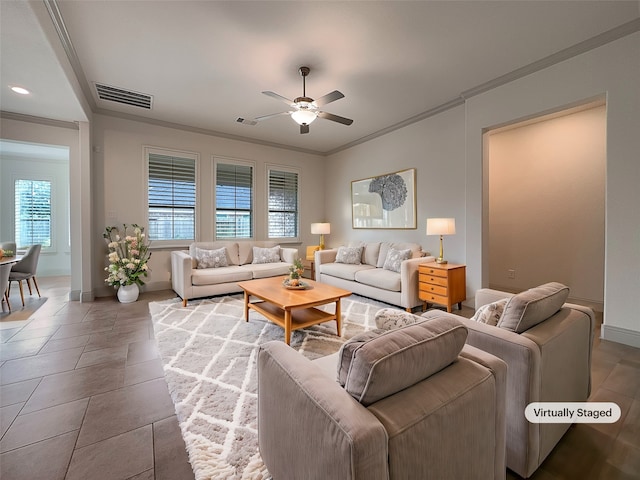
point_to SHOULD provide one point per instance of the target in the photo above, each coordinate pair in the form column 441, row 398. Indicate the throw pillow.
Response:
column 397, row 359
column 490, row 313
column 395, row 258
column 211, row 258
column 350, row 255
column 390, row 318
column 526, row 309
column 347, row 350
column 266, row 255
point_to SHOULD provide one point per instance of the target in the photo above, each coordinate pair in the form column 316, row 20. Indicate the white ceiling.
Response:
column 206, row 62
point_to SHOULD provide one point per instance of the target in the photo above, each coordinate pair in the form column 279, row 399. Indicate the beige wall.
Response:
column 119, row 189
column 547, row 205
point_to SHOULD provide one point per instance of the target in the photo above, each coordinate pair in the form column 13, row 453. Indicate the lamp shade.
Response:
column 320, row 228
column 441, row 226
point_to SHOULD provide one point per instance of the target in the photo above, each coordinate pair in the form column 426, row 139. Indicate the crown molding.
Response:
column 21, row 117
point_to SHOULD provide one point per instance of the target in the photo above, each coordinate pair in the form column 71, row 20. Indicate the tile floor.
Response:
column 82, row 396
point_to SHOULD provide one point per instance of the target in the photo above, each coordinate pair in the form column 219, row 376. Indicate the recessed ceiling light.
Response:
column 20, row 90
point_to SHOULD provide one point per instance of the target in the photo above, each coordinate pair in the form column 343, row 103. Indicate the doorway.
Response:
column 546, row 208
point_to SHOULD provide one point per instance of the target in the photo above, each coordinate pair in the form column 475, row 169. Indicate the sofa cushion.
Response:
column 264, row 270
column 370, row 252
column 231, row 250
column 396, row 359
column 527, row 309
column 266, row 255
column 491, row 312
column 214, row 276
column 343, row 270
column 416, row 250
column 211, row 258
column 380, row 278
column 349, row 255
column 345, row 354
column 395, row 259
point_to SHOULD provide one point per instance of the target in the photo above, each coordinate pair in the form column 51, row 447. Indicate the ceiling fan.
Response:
column 304, row 109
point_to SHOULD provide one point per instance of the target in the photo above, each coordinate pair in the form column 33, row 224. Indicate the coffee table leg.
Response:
column 246, row 306
column 338, row 317
column 287, row 327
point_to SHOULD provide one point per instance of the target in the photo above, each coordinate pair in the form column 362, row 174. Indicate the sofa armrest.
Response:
column 485, row 296
column 325, row 256
column 181, row 268
column 301, row 412
column 289, row 255
column 409, row 284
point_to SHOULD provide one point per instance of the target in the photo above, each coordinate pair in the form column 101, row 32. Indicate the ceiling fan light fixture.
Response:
column 304, row 116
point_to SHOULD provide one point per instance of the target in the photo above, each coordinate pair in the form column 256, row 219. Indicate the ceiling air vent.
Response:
column 126, row 97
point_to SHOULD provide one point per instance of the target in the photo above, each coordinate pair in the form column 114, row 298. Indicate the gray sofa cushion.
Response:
column 380, row 278
column 214, row 276
column 343, row 270
column 533, row 306
column 266, row 254
column 396, row 359
column 231, row 250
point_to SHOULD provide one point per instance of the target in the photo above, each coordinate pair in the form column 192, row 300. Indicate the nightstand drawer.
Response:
column 432, row 298
column 436, row 272
column 428, row 289
column 434, row 280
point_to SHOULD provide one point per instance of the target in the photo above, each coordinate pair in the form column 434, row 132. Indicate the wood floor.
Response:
column 82, row 396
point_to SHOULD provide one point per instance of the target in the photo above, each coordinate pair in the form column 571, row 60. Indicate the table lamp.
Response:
column 321, row 229
column 441, row 226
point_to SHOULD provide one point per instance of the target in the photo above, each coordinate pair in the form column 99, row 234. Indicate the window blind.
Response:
column 32, row 213
column 234, row 201
column 283, row 204
column 172, row 197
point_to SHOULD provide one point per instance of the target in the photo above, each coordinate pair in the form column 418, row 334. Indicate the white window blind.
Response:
column 172, row 197
column 234, row 200
column 283, row 204
column 32, row 213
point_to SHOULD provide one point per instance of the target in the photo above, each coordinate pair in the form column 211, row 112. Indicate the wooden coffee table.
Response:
column 292, row 309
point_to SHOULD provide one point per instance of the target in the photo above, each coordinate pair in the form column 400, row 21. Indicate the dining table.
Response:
column 9, row 260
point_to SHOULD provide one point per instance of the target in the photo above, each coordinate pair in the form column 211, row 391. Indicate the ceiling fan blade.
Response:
column 304, row 128
column 279, row 97
column 328, row 98
column 335, row 118
column 267, row 117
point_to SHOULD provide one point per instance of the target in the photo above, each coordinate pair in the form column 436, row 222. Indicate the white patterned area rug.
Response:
column 209, row 354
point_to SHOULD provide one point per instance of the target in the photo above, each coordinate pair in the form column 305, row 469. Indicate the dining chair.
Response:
column 25, row 269
column 4, row 283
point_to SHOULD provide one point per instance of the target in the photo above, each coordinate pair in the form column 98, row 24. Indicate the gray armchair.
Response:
column 547, row 345
column 25, row 270
column 413, row 402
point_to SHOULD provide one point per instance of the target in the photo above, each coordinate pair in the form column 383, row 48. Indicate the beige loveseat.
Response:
column 412, row 402
column 372, row 274
column 189, row 280
column 547, row 345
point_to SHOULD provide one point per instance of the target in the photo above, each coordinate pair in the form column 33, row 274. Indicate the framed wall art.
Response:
column 385, row 201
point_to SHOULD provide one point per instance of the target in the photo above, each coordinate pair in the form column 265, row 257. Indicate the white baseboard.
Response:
column 620, row 335
column 78, row 296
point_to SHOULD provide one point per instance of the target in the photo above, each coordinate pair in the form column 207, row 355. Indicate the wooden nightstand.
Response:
column 444, row 284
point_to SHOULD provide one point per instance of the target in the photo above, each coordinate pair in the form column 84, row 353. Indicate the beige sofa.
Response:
column 189, row 281
column 413, row 402
column 547, row 345
column 369, row 277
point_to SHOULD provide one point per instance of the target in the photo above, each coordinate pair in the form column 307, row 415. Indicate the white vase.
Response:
column 128, row 293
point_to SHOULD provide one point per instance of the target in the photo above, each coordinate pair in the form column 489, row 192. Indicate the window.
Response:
column 172, row 196
column 234, row 200
column 33, row 213
column 283, row 204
